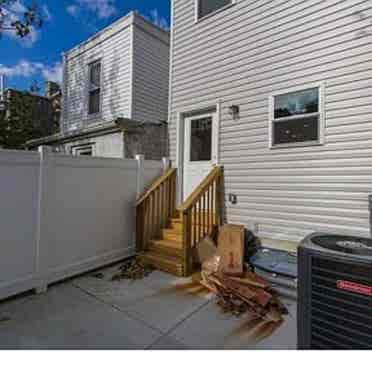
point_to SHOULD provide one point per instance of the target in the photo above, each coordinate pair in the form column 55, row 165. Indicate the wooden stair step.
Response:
column 172, row 234
column 170, row 248
column 176, row 223
column 169, row 264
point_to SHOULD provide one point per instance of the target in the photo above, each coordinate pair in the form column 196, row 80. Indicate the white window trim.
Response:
column 321, row 127
column 197, row 19
column 99, row 113
column 76, row 149
column 180, row 139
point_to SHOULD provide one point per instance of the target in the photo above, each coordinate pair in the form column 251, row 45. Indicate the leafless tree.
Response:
column 19, row 16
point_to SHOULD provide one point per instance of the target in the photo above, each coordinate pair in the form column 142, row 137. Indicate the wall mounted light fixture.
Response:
column 234, row 111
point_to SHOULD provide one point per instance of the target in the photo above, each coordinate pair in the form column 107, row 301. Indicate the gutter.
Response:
column 118, row 125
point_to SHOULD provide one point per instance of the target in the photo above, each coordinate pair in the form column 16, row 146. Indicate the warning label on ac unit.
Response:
column 355, row 287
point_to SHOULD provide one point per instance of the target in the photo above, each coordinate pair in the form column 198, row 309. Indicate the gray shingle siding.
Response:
column 245, row 53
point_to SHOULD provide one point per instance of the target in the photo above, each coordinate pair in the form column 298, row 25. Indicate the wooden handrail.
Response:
column 154, row 209
column 168, row 173
column 200, row 213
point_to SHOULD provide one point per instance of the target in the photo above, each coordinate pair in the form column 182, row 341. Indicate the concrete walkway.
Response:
column 158, row 312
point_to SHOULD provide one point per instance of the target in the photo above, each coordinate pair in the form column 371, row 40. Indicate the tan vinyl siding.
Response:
column 252, row 49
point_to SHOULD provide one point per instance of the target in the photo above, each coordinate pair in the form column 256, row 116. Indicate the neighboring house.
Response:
column 54, row 93
column 115, row 92
column 24, row 116
column 279, row 94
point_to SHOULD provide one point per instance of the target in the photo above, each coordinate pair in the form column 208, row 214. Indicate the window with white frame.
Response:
column 84, row 150
column 94, row 88
column 297, row 117
column 205, row 7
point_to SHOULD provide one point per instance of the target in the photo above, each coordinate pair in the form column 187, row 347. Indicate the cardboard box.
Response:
column 206, row 249
column 231, row 249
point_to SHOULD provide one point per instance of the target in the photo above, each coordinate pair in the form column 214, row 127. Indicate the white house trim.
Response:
column 180, row 134
column 321, row 127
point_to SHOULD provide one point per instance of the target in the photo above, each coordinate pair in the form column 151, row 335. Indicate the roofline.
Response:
column 133, row 14
column 25, row 92
column 117, row 125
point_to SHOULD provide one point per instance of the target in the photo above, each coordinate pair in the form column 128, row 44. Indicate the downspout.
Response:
column 64, row 98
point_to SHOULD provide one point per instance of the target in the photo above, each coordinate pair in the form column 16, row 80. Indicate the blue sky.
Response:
column 67, row 23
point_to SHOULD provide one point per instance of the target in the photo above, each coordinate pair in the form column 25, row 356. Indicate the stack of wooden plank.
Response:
column 238, row 289
column 248, row 293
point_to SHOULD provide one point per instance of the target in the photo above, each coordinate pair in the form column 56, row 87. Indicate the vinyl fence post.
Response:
column 140, row 174
column 43, row 230
column 166, row 164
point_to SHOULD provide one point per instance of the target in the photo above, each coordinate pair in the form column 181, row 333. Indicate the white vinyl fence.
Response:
column 62, row 215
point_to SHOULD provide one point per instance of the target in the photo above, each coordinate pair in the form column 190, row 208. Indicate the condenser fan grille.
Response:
column 339, row 319
column 345, row 244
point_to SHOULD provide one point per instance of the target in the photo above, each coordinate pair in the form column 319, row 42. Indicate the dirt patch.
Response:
column 133, row 269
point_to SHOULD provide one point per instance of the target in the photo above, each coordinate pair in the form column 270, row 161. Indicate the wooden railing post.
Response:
column 200, row 212
column 154, row 208
column 139, row 229
column 186, row 241
column 140, row 173
column 166, row 164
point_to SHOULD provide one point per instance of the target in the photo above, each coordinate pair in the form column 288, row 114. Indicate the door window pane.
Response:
column 209, row 6
column 296, row 130
column 201, row 139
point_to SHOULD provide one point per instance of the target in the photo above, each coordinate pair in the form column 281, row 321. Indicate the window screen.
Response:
column 201, row 139
column 296, row 117
column 94, row 97
column 206, row 7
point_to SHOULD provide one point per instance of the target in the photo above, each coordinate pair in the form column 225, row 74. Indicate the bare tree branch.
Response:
column 22, row 20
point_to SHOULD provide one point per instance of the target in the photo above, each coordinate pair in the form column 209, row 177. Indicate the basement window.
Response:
column 86, row 150
column 94, row 88
column 297, row 117
column 207, row 7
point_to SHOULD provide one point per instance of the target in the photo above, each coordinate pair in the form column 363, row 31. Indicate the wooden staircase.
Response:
column 167, row 253
column 166, row 235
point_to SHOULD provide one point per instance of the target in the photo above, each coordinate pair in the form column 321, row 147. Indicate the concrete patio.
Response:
column 158, row 312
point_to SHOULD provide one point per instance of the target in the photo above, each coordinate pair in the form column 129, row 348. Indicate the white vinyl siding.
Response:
column 115, row 55
column 150, row 73
column 248, row 52
column 133, row 80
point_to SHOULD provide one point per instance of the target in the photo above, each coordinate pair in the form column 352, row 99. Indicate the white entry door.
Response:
column 200, row 150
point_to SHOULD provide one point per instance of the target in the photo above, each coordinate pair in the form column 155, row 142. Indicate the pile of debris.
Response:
column 133, row 269
column 237, row 288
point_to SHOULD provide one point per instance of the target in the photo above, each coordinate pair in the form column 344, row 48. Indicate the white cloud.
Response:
column 17, row 7
column 14, row 12
column 27, row 41
column 46, row 13
column 158, row 20
column 22, row 69
column 53, row 73
column 27, row 69
column 73, row 10
column 103, row 8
